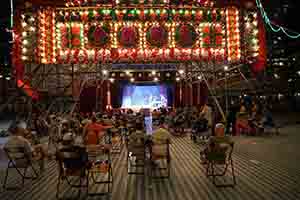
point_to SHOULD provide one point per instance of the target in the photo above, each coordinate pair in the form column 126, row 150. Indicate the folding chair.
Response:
column 19, row 160
column 220, row 157
column 136, row 155
column 200, row 130
column 116, row 140
column 160, row 151
column 72, row 162
column 101, row 165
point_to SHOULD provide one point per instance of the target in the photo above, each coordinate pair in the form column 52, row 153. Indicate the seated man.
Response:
column 139, row 135
column 136, row 142
column 17, row 140
column 161, row 134
column 160, row 137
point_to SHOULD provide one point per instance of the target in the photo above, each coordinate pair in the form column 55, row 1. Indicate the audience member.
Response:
column 17, row 140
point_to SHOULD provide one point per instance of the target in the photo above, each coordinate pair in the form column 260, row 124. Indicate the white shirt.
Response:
column 19, row 142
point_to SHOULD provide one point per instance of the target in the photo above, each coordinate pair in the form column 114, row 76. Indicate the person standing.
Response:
column 231, row 119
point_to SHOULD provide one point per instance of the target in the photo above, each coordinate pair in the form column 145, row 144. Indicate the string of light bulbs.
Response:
column 274, row 27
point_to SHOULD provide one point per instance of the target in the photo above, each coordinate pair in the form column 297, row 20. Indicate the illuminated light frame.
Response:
column 143, row 51
column 233, row 34
column 50, row 50
column 252, row 30
column 73, row 3
column 28, row 34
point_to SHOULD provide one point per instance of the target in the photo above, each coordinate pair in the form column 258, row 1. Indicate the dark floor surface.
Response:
column 267, row 168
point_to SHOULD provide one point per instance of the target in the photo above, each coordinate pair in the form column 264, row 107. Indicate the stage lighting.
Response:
column 155, row 79
column 153, row 72
column 199, row 77
column 132, row 80
column 104, row 72
column 111, row 80
column 225, row 68
column 181, row 71
column 177, row 79
column 127, row 72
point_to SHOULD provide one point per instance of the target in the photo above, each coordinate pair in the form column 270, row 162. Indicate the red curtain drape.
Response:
column 115, row 95
column 195, row 94
column 204, row 93
column 177, row 95
column 88, row 99
column 103, row 94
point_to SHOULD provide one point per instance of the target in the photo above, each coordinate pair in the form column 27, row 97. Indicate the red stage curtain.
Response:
column 204, row 93
column 195, row 94
column 103, row 94
column 88, row 99
column 177, row 95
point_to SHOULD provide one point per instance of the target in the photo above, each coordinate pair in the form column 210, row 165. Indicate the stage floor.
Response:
column 256, row 180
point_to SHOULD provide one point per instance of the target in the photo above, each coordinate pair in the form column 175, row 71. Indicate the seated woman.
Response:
column 18, row 139
column 179, row 122
column 160, row 137
column 217, row 143
column 242, row 123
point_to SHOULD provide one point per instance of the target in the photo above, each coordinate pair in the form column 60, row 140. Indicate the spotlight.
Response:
column 127, row 72
column 104, row 72
column 181, row 71
column 111, row 80
column 1, row 76
column 225, row 68
column 7, row 78
column 199, row 77
column 177, row 79
column 132, row 80
column 155, row 79
column 153, row 72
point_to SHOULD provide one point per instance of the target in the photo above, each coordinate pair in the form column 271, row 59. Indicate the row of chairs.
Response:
column 87, row 164
column 137, row 150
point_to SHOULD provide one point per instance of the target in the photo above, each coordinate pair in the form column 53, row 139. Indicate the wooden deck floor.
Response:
column 255, row 180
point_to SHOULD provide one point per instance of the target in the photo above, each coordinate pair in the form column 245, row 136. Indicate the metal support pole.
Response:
column 226, row 93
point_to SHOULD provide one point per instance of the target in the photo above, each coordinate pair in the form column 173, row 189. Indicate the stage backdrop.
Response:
column 176, row 92
column 145, row 95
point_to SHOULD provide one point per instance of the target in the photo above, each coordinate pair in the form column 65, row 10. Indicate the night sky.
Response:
column 289, row 20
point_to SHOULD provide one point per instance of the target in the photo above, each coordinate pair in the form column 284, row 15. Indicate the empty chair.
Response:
column 21, row 162
column 72, row 162
column 100, row 169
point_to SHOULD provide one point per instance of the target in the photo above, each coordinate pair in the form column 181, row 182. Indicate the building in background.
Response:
column 283, row 71
column 5, row 49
